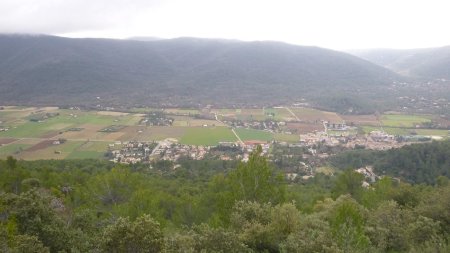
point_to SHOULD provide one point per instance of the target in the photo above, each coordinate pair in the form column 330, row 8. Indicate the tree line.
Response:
column 96, row 206
column 416, row 163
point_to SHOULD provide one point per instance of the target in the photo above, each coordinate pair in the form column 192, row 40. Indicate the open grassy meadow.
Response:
column 401, row 120
column 89, row 149
column 252, row 134
column 286, row 137
column 408, row 131
column 12, row 149
column 207, row 135
column 314, row 115
column 280, row 114
column 369, row 120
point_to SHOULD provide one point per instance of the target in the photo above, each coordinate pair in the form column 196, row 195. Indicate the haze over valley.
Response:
column 132, row 126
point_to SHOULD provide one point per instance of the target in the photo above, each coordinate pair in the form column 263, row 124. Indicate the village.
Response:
column 334, row 134
column 170, row 150
column 145, row 135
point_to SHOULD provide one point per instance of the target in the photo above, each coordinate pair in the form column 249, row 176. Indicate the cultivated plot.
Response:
column 252, row 134
column 207, row 136
column 314, row 115
column 401, row 120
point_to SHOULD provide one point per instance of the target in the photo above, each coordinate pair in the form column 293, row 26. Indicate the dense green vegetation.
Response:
column 97, row 206
column 417, row 163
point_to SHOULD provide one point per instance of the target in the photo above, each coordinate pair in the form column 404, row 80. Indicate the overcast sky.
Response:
column 336, row 24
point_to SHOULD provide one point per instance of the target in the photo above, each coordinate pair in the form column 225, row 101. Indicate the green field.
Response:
column 25, row 128
column 12, row 149
column 50, row 152
column 251, row 114
column 252, row 134
column 279, row 114
column 89, row 142
column 89, row 149
column 436, row 132
column 286, row 137
column 143, row 109
column 401, row 120
column 407, row 131
column 207, row 136
column 311, row 115
column 85, row 155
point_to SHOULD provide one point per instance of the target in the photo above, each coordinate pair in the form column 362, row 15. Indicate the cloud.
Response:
column 66, row 16
column 343, row 24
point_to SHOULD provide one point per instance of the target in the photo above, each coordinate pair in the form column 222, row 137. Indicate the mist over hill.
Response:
column 184, row 71
column 430, row 63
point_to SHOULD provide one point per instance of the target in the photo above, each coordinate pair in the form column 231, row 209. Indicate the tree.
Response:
column 251, row 220
column 34, row 214
column 349, row 182
column 11, row 162
column 436, row 205
column 347, row 222
column 387, row 227
column 256, row 181
column 12, row 176
column 28, row 244
column 142, row 235
column 284, row 221
column 313, row 235
column 348, row 227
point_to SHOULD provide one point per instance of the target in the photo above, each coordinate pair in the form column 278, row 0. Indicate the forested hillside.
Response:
column 94, row 206
column 185, row 71
column 430, row 63
column 417, row 163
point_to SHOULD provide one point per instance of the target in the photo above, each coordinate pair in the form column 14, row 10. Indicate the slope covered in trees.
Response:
column 417, row 163
column 184, row 71
column 93, row 206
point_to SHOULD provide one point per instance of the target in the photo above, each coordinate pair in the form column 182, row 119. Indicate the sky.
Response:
column 335, row 24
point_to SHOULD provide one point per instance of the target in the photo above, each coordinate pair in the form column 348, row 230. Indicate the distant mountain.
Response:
column 431, row 63
column 184, row 71
column 144, row 38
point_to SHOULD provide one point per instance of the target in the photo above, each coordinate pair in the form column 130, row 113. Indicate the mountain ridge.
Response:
column 182, row 71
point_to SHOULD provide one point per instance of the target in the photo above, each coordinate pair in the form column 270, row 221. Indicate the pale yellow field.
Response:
column 110, row 113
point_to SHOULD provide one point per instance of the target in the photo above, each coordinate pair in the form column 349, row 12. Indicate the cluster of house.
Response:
column 310, row 139
column 369, row 175
column 171, row 150
column 336, row 126
column 157, row 120
column 341, row 134
column 268, row 125
column 130, row 152
column 381, row 136
column 250, row 146
column 306, row 172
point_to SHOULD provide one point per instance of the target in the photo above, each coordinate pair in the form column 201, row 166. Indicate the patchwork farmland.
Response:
column 51, row 133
